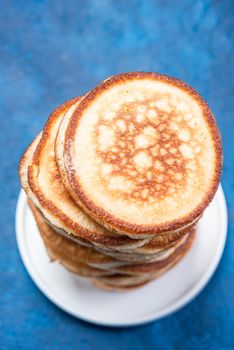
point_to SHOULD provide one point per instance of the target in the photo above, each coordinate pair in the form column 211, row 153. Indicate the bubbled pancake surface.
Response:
column 143, row 154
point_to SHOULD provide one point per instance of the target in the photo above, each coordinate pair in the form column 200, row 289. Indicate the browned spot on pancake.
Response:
column 145, row 149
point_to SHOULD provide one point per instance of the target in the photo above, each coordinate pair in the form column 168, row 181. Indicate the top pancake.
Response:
column 142, row 154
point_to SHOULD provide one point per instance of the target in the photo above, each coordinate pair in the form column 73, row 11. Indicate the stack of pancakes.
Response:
column 118, row 179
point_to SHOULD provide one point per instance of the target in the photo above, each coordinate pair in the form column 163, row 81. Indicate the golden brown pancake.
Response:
column 148, row 274
column 63, row 250
column 122, row 281
column 142, row 154
column 111, row 288
column 25, row 161
column 144, row 253
column 70, row 253
column 101, row 258
column 136, row 258
column 74, row 256
column 160, row 265
column 155, row 245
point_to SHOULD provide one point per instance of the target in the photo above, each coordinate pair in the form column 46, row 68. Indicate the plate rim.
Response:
column 150, row 317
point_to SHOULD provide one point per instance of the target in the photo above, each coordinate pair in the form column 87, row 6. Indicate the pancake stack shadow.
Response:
column 118, row 179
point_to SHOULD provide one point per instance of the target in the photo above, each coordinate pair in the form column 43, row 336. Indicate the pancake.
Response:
column 63, row 251
column 142, row 154
column 152, row 246
column 102, row 285
column 25, row 161
column 135, row 258
column 121, row 280
column 73, row 256
column 164, row 263
column 102, row 259
column 130, row 256
column 155, row 245
column 72, row 253
column 90, row 256
column 47, row 192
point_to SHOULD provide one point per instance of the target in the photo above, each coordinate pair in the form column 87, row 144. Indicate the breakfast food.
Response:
column 118, row 178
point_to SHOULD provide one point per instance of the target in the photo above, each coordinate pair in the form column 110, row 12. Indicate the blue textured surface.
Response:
column 53, row 50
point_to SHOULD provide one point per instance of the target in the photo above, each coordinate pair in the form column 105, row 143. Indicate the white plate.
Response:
column 165, row 295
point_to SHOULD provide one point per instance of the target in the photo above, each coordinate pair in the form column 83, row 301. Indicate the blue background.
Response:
column 54, row 50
